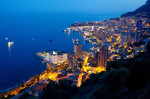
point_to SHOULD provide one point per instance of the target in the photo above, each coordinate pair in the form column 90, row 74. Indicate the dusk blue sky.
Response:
column 81, row 6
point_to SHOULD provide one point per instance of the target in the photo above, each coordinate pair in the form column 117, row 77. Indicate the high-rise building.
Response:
column 100, row 33
column 103, row 56
column 78, row 50
column 124, row 38
column 137, row 35
column 96, row 29
column 98, row 58
column 138, row 31
column 71, row 59
column 139, row 25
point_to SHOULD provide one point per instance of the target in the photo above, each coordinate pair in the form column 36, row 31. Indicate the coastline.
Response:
column 18, row 72
column 45, row 70
column 7, row 90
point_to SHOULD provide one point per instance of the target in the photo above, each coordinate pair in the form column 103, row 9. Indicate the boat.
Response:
column 68, row 29
column 50, row 40
column 10, row 43
column 75, row 40
column 64, row 31
column 6, row 38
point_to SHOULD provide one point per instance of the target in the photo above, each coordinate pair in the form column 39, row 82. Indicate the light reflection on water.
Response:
column 22, row 64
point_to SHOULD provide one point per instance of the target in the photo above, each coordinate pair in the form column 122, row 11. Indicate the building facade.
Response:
column 78, row 50
column 98, row 58
column 104, row 56
column 71, row 60
column 57, row 58
column 124, row 38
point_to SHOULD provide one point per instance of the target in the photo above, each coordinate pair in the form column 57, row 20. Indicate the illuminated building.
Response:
column 137, row 35
column 100, row 33
column 139, row 25
column 78, row 50
column 57, row 57
column 103, row 56
column 48, row 66
column 98, row 58
column 124, row 38
column 96, row 29
column 138, row 31
column 71, row 59
column 79, row 63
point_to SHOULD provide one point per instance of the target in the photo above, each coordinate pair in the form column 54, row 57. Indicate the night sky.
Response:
column 80, row 6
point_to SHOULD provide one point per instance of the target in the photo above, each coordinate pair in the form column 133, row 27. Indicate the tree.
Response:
column 148, row 47
column 63, row 89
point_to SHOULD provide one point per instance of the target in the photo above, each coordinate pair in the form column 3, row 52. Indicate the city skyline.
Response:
column 79, row 49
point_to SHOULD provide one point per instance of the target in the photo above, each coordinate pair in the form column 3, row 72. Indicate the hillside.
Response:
column 124, row 79
column 143, row 11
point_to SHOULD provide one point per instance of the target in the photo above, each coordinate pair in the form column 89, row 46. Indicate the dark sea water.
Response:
column 19, row 63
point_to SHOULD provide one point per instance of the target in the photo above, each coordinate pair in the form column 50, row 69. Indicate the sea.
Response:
column 30, row 33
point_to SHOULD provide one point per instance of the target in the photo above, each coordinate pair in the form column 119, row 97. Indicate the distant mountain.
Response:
column 143, row 11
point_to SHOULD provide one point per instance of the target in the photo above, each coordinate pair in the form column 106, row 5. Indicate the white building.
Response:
column 57, row 58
